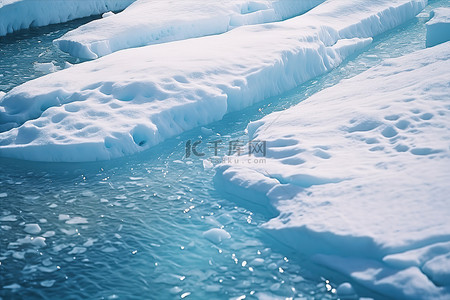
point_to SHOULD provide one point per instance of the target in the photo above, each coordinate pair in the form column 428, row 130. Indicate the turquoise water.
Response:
column 133, row 227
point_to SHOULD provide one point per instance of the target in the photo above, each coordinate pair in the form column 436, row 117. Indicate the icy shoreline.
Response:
column 365, row 194
column 131, row 100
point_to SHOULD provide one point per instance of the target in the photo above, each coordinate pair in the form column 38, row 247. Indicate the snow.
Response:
column 359, row 173
column 130, row 100
column 148, row 22
column 438, row 28
column 23, row 14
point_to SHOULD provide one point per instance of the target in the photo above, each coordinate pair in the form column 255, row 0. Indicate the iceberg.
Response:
column 147, row 22
column 359, row 174
column 22, row 14
column 132, row 99
column 438, row 28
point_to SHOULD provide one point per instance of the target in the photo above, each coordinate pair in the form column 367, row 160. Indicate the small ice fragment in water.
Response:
column 48, row 234
column 46, row 67
column 13, row 286
column 216, row 235
column 47, row 283
column 207, row 164
column 3, row 195
column 346, row 291
column 32, row 228
column 257, row 262
column 77, row 220
column 77, row 250
column 63, row 217
column 10, row 218
column 206, row 131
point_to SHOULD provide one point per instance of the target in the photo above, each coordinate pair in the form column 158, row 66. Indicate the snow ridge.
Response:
column 147, row 22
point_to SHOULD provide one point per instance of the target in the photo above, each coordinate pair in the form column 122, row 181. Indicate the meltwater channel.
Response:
column 139, row 227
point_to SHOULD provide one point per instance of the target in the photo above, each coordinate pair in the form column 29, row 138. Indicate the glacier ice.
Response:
column 148, row 22
column 130, row 100
column 438, row 28
column 22, row 14
column 359, row 175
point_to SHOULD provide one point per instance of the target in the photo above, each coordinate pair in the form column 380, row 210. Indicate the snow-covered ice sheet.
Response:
column 148, row 22
column 23, row 14
column 438, row 28
column 133, row 99
column 360, row 173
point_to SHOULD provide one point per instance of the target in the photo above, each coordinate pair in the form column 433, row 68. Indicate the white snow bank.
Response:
column 360, row 175
column 438, row 28
column 133, row 99
column 148, row 22
column 22, row 14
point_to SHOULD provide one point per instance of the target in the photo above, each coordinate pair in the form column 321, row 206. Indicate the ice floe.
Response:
column 359, row 175
column 23, row 14
column 438, row 28
column 130, row 100
column 148, row 22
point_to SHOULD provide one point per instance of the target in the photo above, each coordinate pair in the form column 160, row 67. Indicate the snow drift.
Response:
column 23, row 14
column 148, row 22
column 438, row 28
column 132, row 99
column 359, row 174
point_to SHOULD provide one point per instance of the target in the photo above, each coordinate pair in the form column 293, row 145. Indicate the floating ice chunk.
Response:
column 206, row 131
column 18, row 254
column 35, row 241
column 63, row 217
column 346, row 291
column 9, row 218
column 47, row 283
column 46, row 67
column 257, row 262
column 438, row 28
column 77, row 250
column 68, row 231
column 89, row 242
column 32, row 228
column 216, row 235
column 13, row 286
column 3, row 195
column 207, row 164
column 48, row 234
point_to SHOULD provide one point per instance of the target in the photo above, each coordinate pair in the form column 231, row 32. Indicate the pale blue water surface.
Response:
column 132, row 228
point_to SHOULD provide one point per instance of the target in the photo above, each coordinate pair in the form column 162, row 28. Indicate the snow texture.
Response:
column 148, row 22
column 438, row 28
column 22, row 14
column 130, row 100
column 359, row 175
